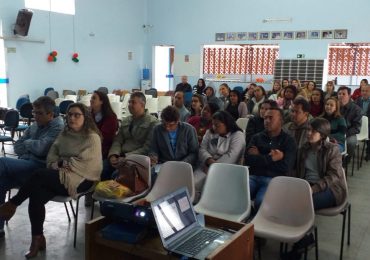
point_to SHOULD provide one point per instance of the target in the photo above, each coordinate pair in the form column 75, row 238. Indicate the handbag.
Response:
column 130, row 174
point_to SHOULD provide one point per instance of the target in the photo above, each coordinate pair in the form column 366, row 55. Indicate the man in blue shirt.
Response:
column 31, row 149
column 173, row 140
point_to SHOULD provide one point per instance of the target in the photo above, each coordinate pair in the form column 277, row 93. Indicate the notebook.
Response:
column 181, row 231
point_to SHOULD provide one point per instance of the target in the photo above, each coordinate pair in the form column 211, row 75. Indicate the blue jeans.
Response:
column 14, row 173
column 258, row 186
column 323, row 199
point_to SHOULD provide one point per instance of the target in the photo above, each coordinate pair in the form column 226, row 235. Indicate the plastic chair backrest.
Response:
column 240, row 89
column 86, row 97
column 226, row 191
column 364, row 132
column 151, row 91
column 164, row 101
column 68, row 92
column 11, row 119
column 46, row 91
column 125, row 100
column 26, row 110
column 64, row 105
column 242, row 123
column 58, row 101
column 288, row 201
column 172, row 176
column 187, row 97
column 152, row 105
column 22, row 100
column 71, row 97
column 117, row 109
column 53, row 94
column 103, row 89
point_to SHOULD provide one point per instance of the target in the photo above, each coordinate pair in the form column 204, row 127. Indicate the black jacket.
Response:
column 353, row 115
column 262, row 164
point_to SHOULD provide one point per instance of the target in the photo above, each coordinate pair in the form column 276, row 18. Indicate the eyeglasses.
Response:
column 75, row 115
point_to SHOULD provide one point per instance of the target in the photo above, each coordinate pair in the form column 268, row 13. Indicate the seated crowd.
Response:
column 292, row 131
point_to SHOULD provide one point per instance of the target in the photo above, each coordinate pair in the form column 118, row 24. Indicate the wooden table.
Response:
column 96, row 247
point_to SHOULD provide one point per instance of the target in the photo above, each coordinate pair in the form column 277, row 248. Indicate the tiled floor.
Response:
column 59, row 232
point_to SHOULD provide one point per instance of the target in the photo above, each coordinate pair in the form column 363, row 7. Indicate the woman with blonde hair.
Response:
column 338, row 124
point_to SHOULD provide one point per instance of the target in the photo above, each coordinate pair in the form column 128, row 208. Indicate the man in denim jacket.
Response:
column 31, row 149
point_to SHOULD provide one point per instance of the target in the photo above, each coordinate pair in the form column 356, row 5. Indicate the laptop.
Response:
column 181, row 231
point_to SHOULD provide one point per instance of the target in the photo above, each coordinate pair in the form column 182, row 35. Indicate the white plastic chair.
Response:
column 363, row 136
column 86, row 97
column 71, row 97
column 226, row 193
column 142, row 159
column 152, row 105
column 117, row 109
column 85, row 102
column 344, row 209
column 125, row 100
column 242, row 123
column 286, row 213
column 113, row 98
column 58, row 101
column 172, row 176
column 164, row 101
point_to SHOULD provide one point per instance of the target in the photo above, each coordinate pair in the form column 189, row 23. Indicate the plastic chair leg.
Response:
column 92, row 209
column 316, row 244
column 349, row 225
column 67, row 211
column 343, row 231
column 76, row 219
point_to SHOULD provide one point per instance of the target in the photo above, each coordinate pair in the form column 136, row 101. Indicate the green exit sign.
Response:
column 300, row 56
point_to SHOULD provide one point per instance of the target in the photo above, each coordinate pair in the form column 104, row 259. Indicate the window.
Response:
column 239, row 59
column 349, row 59
column 58, row 6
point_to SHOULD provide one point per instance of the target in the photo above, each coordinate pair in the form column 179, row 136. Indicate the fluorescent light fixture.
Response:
column 273, row 20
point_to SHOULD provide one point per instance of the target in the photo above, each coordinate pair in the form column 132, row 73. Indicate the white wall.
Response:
column 117, row 26
column 189, row 24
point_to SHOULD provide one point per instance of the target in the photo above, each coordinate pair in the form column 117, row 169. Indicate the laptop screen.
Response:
column 173, row 214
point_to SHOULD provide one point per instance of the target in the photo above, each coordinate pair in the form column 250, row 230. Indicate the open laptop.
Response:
column 181, row 231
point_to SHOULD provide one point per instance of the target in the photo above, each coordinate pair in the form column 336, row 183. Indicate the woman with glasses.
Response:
column 74, row 163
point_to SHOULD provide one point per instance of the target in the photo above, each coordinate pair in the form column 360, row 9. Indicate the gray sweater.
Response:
column 187, row 145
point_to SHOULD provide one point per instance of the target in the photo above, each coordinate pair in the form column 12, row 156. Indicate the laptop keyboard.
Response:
column 196, row 243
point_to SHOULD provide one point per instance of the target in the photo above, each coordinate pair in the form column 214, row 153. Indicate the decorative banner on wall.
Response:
column 245, row 59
